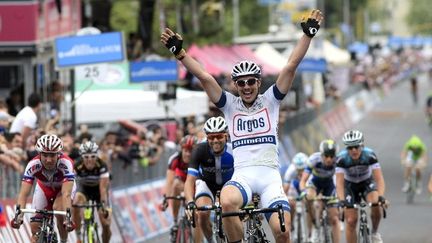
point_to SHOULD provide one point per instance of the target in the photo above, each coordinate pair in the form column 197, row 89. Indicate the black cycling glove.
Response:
column 310, row 27
column 174, row 44
column 191, row 205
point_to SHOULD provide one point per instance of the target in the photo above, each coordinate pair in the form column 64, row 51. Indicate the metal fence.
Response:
column 10, row 181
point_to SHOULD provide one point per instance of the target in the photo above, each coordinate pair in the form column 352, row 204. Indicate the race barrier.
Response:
column 137, row 211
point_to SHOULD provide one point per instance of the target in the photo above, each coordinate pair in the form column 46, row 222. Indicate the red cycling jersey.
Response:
column 176, row 164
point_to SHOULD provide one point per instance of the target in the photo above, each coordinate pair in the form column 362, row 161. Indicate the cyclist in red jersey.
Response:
column 177, row 172
column 55, row 185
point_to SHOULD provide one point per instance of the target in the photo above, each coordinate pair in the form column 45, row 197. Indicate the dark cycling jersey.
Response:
column 90, row 178
column 360, row 170
column 176, row 164
column 214, row 170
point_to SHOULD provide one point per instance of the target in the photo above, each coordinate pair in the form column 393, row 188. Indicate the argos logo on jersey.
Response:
column 247, row 125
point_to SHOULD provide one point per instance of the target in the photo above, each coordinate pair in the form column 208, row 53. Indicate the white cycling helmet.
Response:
column 353, row 138
column 88, row 147
column 215, row 125
column 49, row 143
column 245, row 68
column 299, row 160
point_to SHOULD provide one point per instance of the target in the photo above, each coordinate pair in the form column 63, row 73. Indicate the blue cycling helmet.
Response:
column 299, row 160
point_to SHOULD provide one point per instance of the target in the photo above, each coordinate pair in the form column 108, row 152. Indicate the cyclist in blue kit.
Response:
column 318, row 179
column 359, row 176
column 211, row 166
column 253, row 125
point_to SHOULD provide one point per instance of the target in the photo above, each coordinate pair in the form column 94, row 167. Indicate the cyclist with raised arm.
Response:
column 55, row 185
column 177, row 172
column 93, row 183
column 317, row 179
column 211, row 166
column 291, row 180
column 413, row 157
column 252, row 124
column 359, row 176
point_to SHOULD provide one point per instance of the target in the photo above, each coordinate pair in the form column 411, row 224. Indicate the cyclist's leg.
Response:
column 58, row 205
column 351, row 214
column 272, row 195
column 235, row 194
column 372, row 197
column 178, row 187
column 76, row 212
column 203, row 196
column 333, row 210
column 106, row 225
column 311, row 192
column 419, row 167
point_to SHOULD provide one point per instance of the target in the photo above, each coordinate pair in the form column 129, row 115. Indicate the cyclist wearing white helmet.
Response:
column 317, row 179
column 211, row 166
column 252, row 124
column 93, row 183
column 55, row 184
column 359, row 176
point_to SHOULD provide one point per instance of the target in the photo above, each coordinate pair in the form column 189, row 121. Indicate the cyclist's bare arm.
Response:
column 67, row 194
column 379, row 180
column 189, row 189
column 286, row 187
column 103, row 189
column 23, row 193
column 170, row 174
column 209, row 83
column 303, row 180
column 340, row 185
column 212, row 88
column 430, row 184
column 286, row 76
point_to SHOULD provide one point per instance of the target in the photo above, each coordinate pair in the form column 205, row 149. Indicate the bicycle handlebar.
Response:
column 363, row 205
column 252, row 211
column 43, row 211
column 203, row 208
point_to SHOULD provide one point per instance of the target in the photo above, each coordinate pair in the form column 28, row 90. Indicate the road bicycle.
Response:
column 364, row 231
column 321, row 217
column 411, row 192
column 217, row 219
column 46, row 232
column 299, row 234
column 90, row 225
column 254, row 232
column 181, row 231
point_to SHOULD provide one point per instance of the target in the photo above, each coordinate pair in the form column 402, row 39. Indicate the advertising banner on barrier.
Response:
column 137, row 213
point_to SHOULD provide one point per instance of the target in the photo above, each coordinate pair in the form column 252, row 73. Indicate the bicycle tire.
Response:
column 299, row 229
column 184, row 232
column 41, row 237
column 411, row 190
column 96, row 234
column 326, row 232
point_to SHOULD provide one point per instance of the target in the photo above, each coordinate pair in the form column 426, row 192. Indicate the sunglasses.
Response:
column 329, row 155
column 353, row 147
column 243, row 82
column 217, row 136
column 89, row 156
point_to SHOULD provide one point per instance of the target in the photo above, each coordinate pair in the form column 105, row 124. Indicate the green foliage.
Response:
column 419, row 17
column 124, row 16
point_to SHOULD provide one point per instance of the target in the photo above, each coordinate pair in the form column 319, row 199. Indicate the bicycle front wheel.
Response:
column 364, row 235
column 41, row 237
column 184, row 233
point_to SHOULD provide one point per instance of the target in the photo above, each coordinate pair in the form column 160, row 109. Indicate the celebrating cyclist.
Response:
column 55, row 185
column 177, row 172
column 93, row 183
column 413, row 156
column 318, row 179
column 359, row 176
column 253, row 124
column 211, row 166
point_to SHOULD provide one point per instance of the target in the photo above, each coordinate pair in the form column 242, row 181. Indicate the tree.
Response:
column 419, row 17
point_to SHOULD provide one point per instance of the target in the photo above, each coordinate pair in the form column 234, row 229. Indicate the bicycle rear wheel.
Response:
column 412, row 189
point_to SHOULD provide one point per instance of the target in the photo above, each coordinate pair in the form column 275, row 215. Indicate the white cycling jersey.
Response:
column 253, row 130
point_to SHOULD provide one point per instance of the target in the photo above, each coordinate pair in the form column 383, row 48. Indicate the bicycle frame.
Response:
column 299, row 222
column 90, row 225
column 254, row 231
column 46, row 233
column 184, row 231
